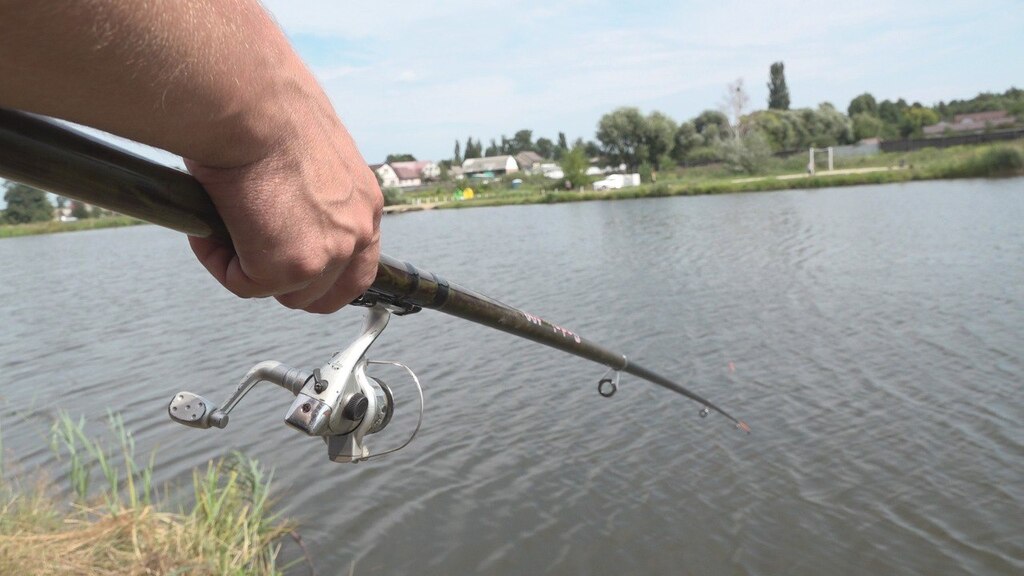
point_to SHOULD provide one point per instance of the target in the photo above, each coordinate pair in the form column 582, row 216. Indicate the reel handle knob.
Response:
column 195, row 411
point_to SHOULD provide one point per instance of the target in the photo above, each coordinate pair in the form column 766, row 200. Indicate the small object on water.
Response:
column 704, row 412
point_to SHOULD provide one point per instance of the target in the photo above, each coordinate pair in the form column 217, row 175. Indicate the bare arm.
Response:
column 216, row 82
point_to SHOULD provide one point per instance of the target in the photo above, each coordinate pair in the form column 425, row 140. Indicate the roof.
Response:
column 528, row 158
column 981, row 117
column 408, row 170
column 487, row 164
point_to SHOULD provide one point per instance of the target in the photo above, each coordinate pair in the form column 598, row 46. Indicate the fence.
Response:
column 947, row 141
column 868, row 148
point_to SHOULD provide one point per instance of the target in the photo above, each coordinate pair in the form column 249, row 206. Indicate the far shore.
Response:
column 989, row 160
column 848, row 177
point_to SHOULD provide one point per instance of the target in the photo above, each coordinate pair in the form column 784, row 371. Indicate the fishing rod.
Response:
column 339, row 402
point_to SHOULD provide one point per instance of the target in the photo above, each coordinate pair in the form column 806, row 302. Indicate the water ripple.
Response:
column 871, row 336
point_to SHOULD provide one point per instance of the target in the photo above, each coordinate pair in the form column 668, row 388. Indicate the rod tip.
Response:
column 743, row 426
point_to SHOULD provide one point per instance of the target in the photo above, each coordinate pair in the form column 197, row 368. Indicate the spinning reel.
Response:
column 338, row 402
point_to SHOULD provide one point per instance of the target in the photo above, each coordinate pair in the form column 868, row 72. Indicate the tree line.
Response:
column 521, row 141
column 27, row 204
column 744, row 139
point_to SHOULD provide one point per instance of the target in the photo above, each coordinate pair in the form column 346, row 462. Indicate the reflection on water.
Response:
column 871, row 336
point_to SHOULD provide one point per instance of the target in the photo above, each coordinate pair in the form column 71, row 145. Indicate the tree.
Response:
column 630, row 138
column 783, row 129
column 734, row 103
column 457, row 157
column 749, row 153
column 659, row 137
column 574, row 166
column 563, row 146
column 711, row 125
column 685, row 140
column 863, row 104
column 890, row 112
column 493, row 149
column 866, row 126
column 545, row 147
column 522, row 141
column 621, row 134
column 473, row 149
column 26, row 204
column 399, row 158
column 778, row 93
column 825, row 126
column 915, row 119
column 79, row 210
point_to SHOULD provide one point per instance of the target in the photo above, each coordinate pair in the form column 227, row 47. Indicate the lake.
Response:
column 873, row 338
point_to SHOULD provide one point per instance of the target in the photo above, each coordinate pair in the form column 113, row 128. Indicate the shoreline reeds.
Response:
column 111, row 519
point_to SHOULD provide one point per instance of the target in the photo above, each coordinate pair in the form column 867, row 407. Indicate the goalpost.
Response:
column 831, row 155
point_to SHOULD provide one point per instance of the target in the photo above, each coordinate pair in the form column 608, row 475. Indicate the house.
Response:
column 529, row 161
column 490, row 165
column 386, row 174
column 406, row 174
column 974, row 122
column 422, row 170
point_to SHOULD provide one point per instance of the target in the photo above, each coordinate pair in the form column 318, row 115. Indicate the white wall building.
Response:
column 496, row 165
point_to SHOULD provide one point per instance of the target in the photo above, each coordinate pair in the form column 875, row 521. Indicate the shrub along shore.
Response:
column 53, row 226
column 980, row 161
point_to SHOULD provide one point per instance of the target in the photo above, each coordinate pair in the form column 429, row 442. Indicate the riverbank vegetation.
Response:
column 54, row 226
column 109, row 518
column 982, row 161
column 744, row 137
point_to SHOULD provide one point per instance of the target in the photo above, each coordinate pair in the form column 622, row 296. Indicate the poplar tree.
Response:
column 778, row 93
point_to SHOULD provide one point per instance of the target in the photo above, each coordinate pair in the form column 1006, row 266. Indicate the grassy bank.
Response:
column 51, row 227
column 980, row 161
column 984, row 161
column 115, row 521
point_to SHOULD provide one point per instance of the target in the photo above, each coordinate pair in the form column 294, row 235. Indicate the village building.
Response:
column 529, row 162
column 456, row 173
column 489, row 166
column 974, row 122
column 423, row 170
column 406, row 174
column 387, row 176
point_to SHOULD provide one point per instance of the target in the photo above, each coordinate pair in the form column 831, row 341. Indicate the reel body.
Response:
column 338, row 402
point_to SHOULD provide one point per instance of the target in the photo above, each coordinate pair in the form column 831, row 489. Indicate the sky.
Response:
column 412, row 77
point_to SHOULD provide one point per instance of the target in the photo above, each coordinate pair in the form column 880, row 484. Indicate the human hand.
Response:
column 304, row 217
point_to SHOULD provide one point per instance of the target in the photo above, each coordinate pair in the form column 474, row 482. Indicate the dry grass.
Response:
column 115, row 529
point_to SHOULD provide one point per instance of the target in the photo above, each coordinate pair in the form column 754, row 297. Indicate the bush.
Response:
column 1002, row 161
column 995, row 161
column 392, row 196
column 702, row 155
column 749, row 154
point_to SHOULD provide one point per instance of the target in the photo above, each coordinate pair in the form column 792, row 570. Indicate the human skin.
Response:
column 216, row 82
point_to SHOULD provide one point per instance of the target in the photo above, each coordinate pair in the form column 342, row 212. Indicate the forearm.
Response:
column 211, row 80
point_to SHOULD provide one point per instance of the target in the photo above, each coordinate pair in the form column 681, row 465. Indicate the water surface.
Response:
column 871, row 336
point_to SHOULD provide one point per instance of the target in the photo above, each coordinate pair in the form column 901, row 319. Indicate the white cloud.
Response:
column 412, row 76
